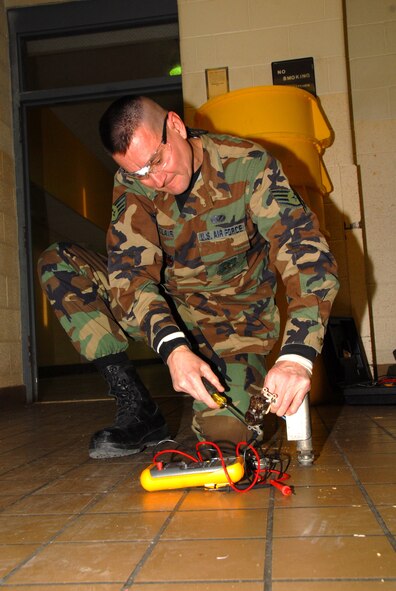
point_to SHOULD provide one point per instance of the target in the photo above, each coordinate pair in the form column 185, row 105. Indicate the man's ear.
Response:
column 176, row 123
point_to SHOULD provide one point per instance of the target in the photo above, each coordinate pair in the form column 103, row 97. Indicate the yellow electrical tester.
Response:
column 208, row 473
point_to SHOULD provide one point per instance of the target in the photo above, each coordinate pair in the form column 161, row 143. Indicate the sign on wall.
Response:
column 216, row 81
column 299, row 72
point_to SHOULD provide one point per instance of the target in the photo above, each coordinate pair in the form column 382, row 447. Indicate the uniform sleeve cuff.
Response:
column 168, row 347
column 168, row 340
column 303, row 350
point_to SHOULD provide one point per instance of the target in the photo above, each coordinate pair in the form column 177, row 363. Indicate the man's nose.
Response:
column 158, row 178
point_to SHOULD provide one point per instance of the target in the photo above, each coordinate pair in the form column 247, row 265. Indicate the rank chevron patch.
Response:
column 118, row 208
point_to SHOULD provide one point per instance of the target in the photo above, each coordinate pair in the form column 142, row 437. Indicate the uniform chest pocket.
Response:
column 223, row 251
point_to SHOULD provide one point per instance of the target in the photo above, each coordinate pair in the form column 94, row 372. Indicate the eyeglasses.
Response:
column 158, row 160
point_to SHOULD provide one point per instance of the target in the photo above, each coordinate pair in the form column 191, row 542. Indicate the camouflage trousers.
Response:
column 76, row 283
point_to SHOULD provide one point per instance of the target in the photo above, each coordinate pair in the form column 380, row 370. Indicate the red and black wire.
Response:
column 257, row 471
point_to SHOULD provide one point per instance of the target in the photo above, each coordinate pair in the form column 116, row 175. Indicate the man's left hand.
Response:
column 290, row 381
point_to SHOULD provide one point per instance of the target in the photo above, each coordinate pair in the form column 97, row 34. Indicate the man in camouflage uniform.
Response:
column 200, row 225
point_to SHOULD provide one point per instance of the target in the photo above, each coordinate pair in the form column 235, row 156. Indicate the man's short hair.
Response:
column 119, row 122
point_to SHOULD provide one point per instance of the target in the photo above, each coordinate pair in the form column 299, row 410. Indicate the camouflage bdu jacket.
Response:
column 217, row 258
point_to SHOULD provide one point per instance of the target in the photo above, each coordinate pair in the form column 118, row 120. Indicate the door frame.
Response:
column 54, row 20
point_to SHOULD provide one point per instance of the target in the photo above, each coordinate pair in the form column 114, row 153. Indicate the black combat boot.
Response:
column 139, row 422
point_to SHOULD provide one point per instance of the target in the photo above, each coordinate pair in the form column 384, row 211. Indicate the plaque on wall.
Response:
column 216, row 81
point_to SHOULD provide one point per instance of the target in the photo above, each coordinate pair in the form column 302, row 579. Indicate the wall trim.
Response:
column 11, row 395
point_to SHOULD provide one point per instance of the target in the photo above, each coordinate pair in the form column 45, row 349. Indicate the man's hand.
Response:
column 290, row 381
column 186, row 371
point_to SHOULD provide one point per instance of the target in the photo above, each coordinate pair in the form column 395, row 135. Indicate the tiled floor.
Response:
column 68, row 523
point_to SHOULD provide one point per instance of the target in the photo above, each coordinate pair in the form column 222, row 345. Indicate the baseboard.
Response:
column 53, row 371
column 11, row 395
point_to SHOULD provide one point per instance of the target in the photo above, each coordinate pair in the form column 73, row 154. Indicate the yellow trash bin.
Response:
column 288, row 122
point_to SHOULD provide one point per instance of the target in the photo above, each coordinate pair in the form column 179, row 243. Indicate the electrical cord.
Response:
column 256, row 475
column 388, row 381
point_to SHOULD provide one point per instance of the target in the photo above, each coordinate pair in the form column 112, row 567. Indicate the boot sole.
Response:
column 108, row 450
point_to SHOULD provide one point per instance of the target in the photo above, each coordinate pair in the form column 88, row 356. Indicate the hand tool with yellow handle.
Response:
column 224, row 402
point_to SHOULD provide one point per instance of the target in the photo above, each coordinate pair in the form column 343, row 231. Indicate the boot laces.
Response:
column 124, row 387
column 127, row 408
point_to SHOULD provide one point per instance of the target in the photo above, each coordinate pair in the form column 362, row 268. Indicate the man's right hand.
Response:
column 186, row 371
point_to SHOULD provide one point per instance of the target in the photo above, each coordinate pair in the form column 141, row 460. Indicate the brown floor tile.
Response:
column 380, row 585
column 238, row 586
column 68, row 454
column 72, row 587
column 93, row 562
column 327, row 448
column 369, row 460
column 30, row 529
column 132, row 481
column 325, row 521
column 20, row 487
column 101, row 522
column 38, row 471
column 204, row 560
column 215, row 524
column 373, row 447
column 16, row 444
column 333, row 557
column 78, row 485
column 51, row 504
column 367, row 433
column 377, row 474
column 137, row 501
column 315, row 496
column 317, row 475
column 11, row 556
column 388, row 514
column 7, row 500
column 205, row 499
column 28, row 453
column 101, row 469
column 382, row 495
column 114, row 527
column 7, row 464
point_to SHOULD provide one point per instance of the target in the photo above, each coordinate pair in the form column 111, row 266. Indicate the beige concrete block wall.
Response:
column 372, row 51
column 246, row 36
column 10, row 321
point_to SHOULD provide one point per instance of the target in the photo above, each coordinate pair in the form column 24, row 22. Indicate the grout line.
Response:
column 98, row 497
column 152, row 545
column 268, row 543
column 212, row 583
column 382, row 427
column 40, row 486
column 388, row 534
column 326, row 536
column 391, row 538
column 50, row 586
column 340, row 580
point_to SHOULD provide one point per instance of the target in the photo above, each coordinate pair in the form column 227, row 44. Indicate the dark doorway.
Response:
column 69, row 62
